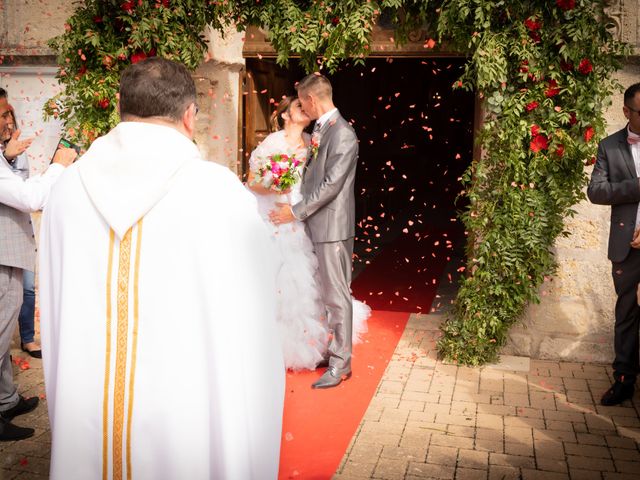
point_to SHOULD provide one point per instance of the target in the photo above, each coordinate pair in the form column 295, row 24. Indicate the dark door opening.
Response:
column 416, row 140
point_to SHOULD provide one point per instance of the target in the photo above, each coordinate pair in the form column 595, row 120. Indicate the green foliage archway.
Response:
column 543, row 68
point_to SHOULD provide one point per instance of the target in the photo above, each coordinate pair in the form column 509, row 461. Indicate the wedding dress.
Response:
column 301, row 315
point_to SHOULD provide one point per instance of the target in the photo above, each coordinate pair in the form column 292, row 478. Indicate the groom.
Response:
column 328, row 209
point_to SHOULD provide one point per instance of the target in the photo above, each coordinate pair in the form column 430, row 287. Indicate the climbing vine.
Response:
column 543, row 69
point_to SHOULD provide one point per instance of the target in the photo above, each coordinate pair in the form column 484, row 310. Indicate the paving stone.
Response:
column 590, row 463
column 586, row 450
column 590, row 439
column 551, row 464
column 358, row 470
column 500, row 472
column 413, row 454
column 463, row 473
column 529, row 474
column 626, row 466
column 513, row 448
column 429, row 470
column 625, row 454
column 473, row 459
column 442, row 455
column 390, row 468
column 584, row 474
column 452, row 441
column 512, row 460
column 493, row 446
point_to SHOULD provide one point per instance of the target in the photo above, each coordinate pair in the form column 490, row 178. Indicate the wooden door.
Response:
column 264, row 85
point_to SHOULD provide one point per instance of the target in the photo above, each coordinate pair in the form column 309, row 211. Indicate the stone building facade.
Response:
column 574, row 320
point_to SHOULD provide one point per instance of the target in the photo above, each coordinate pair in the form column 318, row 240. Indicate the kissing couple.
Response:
column 304, row 185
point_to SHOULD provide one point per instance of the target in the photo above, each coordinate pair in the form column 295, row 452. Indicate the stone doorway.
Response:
column 416, row 140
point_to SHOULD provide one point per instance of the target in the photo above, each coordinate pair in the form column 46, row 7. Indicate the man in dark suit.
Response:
column 615, row 182
column 328, row 210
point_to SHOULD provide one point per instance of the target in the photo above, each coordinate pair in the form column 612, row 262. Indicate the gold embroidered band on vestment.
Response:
column 122, row 347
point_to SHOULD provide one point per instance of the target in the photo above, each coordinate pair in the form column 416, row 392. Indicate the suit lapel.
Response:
column 626, row 154
column 322, row 132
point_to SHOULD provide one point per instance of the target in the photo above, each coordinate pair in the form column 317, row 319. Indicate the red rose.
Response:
column 588, row 134
column 535, row 130
column 82, row 70
column 524, row 66
column 585, row 66
column 335, row 20
column 552, row 89
column 566, row 4
column 532, row 106
column 97, row 19
column 573, row 119
column 559, row 150
column 104, row 103
column 535, row 36
column 591, row 161
column 128, row 6
column 140, row 55
column 539, row 142
column 566, row 66
column 532, row 24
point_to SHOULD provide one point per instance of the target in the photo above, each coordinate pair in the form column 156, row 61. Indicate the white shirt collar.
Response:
column 631, row 134
column 326, row 116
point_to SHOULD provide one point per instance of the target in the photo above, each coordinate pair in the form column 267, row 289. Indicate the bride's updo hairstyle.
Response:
column 277, row 122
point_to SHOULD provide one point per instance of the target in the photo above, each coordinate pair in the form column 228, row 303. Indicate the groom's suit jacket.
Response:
column 328, row 202
column 615, row 182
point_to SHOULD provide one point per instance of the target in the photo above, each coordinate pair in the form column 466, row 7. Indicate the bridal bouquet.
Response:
column 279, row 172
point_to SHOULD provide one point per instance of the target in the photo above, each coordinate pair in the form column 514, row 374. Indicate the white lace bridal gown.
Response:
column 301, row 316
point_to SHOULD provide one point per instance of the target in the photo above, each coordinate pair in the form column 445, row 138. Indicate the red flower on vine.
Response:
column 535, row 130
column 335, row 20
column 82, row 70
column 589, row 132
column 566, row 4
column 532, row 24
column 552, row 89
column 128, row 6
column 140, row 55
column 585, row 66
column 103, row 103
column 539, row 142
column 524, row 66
column 573, row 119
column 97, row 19
column 532, row 106
column 566, row 66
column 559, row 151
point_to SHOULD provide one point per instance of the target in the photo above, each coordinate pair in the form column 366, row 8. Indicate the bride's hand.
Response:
column 284, row 192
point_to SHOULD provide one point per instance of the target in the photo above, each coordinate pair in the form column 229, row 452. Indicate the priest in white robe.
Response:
column 160, row 345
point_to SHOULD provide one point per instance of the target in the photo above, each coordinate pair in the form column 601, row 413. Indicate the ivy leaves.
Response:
column 545, row 73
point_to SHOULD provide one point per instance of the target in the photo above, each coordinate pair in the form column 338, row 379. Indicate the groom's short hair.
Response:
column 317, row 84
column 156, row 87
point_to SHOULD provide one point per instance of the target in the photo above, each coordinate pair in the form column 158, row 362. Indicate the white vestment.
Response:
column 161, row 351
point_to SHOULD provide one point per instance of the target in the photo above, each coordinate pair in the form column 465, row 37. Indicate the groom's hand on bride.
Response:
column 283, row 214
column 635, row 242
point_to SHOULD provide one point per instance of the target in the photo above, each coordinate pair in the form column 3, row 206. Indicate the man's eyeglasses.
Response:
column 632, row 109
column 196, row 108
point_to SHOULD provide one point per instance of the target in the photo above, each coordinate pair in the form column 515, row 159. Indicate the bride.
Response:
column 301, row 314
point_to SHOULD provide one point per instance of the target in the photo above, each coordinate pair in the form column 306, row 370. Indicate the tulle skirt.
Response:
column 301, row 314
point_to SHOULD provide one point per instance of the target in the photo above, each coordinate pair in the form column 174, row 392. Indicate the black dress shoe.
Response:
column 10, row 432
column 618, row 393
column 33, row 353
column 332, row 377
column 24, row 405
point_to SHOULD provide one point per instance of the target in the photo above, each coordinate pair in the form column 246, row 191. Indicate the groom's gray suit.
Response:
column 328, row 209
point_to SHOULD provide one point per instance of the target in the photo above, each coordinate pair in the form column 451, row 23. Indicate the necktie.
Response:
column 632, row 140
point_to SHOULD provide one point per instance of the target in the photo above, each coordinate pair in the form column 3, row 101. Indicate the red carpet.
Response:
column 404, row 276
column 318, row 424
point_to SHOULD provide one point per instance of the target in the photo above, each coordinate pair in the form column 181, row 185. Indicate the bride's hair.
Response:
column 277, row 122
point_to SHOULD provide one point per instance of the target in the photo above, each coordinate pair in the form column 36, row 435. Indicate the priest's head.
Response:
column 157, row 90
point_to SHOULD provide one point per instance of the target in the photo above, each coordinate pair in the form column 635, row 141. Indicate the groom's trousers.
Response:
column 334, row 267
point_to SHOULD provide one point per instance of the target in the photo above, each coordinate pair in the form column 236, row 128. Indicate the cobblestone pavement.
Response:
column 519, row 419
